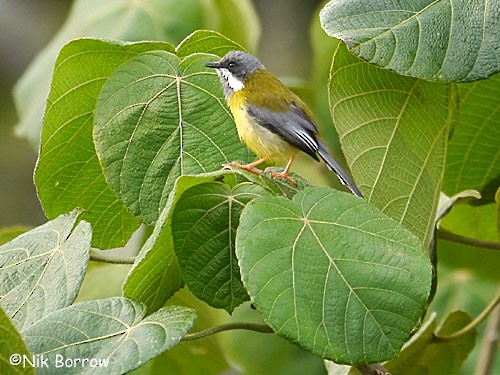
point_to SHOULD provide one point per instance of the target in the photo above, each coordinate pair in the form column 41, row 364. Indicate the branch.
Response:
column 262, row 328
column 472, row 325
column 375, row 369
column 101, row 256
column 449, row 236
column 489, row 344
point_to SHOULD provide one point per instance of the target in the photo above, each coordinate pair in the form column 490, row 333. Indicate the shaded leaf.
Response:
column 68, row 173
column 473, row 158
column 425, row 354
column 204, row 227
column 159, row 117
column 12, row 348
column 41, row 270
column 114, row 329
column 435, row 40
column 393, row 131
column 156, row 276
column 334, row 274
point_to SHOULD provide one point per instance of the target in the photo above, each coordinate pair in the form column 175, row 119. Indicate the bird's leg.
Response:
column 285, row 172
column 249, row 167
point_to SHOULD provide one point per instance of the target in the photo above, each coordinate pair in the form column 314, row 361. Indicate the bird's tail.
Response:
column 335, row 167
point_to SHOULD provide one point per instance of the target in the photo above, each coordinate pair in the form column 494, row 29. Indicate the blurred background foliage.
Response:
column 294, row 47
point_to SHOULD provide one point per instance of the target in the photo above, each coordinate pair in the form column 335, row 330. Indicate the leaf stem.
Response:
column 449, row 236
column 100, row 256
column 262, row 328
column 472, row 325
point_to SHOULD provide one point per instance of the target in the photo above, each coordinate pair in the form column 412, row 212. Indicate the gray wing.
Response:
column 293, row 126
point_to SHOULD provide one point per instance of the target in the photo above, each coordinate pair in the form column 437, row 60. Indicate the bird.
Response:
column 270, row 119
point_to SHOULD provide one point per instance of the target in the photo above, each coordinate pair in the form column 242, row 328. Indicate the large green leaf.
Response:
column 41, row 270
column 435, row 40
column 113, row 331
column 156, row 276
column 159, row 117
column 331, row 272
column 426, row 354
column 12, row 349
column 473, row 159
column 204, row 229
column 393, row 131
column 166, row 20
column 68, row 173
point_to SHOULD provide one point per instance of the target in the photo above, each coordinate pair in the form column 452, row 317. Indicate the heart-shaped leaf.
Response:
column 113, row 331
column 204, row 230
column 41, row 271
column 393, row 131
column 435, row 40
column 159, row 117
column 473, row 158
column 331, row 272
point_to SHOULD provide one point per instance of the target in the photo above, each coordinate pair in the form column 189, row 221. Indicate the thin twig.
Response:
column 374, row 369
column 449, row 236
column 472, row 325
column 489, row 344
column 100, row 256
column 262, row 328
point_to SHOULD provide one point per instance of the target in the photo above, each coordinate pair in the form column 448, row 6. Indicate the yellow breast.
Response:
column 263, row 142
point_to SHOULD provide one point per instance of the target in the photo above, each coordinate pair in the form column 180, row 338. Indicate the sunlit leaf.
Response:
column 329, row 271
column 113, row 330
column 41, row 270
column 435, row 40
column 393, row 131
column 473, row 158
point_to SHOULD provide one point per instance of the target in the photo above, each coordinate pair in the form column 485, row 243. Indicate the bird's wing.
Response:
column 294, row 126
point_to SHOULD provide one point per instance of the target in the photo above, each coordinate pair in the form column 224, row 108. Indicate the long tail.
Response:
column 335, row 167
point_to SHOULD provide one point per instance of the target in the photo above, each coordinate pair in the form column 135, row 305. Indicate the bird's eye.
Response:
column 231, row 65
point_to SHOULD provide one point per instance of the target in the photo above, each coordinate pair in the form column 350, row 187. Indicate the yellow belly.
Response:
column 263, row 142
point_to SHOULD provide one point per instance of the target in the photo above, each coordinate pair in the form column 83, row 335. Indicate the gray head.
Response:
column 233, row 68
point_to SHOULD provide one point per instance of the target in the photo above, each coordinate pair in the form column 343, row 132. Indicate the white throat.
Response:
column 231, row 80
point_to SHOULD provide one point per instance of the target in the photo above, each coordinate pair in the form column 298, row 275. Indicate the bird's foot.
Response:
column 284, row 176
column 248, row 167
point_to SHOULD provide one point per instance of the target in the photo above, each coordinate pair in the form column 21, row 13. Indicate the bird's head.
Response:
column 234, row 68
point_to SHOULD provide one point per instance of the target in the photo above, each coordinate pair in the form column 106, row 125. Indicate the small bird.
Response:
column 271, row 120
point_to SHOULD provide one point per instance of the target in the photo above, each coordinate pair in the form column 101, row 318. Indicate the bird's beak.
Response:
column 214, row 65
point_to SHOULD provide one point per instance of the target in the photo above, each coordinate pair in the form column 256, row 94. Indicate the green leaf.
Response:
column 68, row 173
column 331, row 272
column 156, row 276
column 473, row 159
column 12, row 349
column 207, row 42
column 433, row 40
column 446, row 203
column 425, row 354
column 41, row 270
column 393, row 131
column 113, row 330
column 204, row 227
column 166, row 20
column 159, row 117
